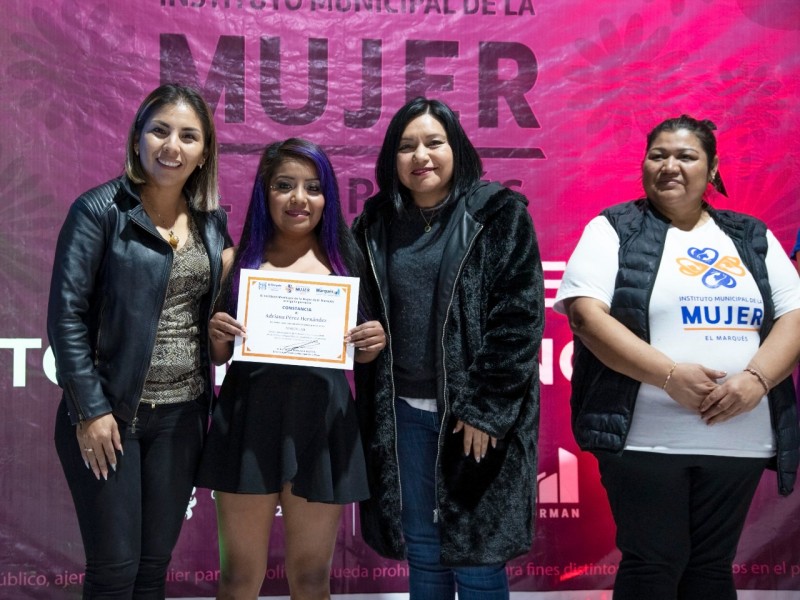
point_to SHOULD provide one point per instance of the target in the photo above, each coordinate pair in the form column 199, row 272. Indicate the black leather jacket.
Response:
column 110, row 277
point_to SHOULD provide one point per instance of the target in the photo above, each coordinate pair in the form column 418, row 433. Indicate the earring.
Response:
column 200, row 166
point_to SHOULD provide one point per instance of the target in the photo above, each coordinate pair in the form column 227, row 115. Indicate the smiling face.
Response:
column 425, row 161
column 170, row 146
column 676, row 172
column 296, row 200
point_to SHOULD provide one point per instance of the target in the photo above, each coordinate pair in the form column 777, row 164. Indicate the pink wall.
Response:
column 557, row 94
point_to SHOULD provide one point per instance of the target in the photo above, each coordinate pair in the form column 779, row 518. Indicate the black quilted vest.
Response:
column 603, row 400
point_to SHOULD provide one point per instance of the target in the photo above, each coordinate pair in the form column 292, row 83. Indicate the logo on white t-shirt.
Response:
column 716, row 272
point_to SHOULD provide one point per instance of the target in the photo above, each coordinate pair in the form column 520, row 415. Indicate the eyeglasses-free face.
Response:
column 296, row 200
column 676, row 172
column 425, row 161
column 171, row 146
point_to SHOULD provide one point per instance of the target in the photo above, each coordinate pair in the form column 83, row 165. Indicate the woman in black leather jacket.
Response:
column 136, row 270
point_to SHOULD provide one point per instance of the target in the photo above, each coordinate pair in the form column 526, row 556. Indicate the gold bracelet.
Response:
column 761, row 379
column 669, row 376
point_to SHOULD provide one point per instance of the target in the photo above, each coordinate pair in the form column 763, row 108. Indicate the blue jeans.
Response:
column 417, row 446
column 679, row 518
column 130, row 523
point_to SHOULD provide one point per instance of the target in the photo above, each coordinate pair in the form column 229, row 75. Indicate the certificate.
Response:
column 296, row 318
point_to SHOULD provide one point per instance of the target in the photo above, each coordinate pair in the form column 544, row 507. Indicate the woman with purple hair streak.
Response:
column 285, row 435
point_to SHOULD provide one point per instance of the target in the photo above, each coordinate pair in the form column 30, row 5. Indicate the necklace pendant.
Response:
column 427, row 228
column 174, row 240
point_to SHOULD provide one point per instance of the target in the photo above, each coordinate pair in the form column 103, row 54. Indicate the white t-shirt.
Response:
column 705, row 308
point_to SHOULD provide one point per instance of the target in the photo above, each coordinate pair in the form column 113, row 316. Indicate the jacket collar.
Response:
column 477, row 203
column 206, row 225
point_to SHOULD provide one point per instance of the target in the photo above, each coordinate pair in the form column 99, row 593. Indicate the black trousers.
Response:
column 679, row 519
column 130, row 523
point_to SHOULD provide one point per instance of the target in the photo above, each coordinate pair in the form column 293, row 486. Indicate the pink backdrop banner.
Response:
column 556, row 94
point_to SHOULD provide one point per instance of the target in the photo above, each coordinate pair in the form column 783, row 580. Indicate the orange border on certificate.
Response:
column 253, row 278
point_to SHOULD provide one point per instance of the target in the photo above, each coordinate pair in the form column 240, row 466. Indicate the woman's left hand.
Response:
column 367, row 337
column 476, row 442
column 741, row 393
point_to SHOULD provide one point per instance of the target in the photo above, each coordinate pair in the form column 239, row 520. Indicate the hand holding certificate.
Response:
column 296, row 318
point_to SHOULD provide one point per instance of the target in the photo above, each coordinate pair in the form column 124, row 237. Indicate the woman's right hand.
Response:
column 99, row 441
column 223, row 328
column 691, row 383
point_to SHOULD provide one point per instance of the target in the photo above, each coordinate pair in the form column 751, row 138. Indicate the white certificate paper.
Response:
column 296, row 318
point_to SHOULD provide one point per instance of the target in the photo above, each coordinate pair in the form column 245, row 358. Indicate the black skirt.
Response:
column 275, row 424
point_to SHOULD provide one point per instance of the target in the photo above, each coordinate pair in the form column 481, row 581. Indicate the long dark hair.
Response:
column 703, row 131
column 467, row 166
column 335, row 238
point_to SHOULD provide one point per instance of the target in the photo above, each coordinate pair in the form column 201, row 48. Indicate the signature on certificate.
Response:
column 294, row 347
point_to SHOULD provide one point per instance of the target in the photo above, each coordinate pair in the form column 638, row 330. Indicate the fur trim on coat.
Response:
column 490, row 316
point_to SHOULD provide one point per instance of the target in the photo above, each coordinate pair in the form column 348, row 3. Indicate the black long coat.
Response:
column 490, row 317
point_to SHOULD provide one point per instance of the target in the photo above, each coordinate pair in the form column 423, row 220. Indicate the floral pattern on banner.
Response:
column 93, row 45
column 623, row 67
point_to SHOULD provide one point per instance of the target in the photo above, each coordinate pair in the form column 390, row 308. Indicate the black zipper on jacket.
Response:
column 444, row 373
column 391, row 359
column 81, row 415
column 212, row 302
column 153, row 329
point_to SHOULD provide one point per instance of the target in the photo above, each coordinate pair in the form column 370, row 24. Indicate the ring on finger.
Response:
column 89, row 449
